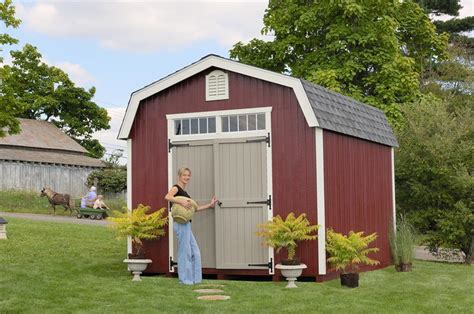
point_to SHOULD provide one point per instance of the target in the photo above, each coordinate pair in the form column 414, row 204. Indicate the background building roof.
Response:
column 43, row 142
column 41, row 134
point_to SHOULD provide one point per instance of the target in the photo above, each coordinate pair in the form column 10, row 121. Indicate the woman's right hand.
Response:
column 186, row 204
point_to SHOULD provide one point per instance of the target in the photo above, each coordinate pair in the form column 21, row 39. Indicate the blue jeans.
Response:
column 189, row 256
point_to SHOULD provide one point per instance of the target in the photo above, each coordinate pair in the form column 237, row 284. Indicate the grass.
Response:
column 30, row 202
column 52, row 267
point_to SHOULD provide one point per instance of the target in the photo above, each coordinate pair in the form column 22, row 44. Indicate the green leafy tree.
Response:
column 370, row 50
column 438, row 7
column 43, row 92
column 435, row 167
column 8, row 123
column 112, row 178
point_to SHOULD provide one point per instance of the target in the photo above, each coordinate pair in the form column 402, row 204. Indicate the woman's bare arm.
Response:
column 170, row 198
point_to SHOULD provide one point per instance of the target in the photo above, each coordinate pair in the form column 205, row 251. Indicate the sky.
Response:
column 121, row 46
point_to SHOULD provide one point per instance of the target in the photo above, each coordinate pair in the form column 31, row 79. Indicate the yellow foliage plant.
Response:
column 279, row 233
column 348, row 251
column 139, row 225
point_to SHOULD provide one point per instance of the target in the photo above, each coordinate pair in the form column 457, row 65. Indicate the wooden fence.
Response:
column 34, row 176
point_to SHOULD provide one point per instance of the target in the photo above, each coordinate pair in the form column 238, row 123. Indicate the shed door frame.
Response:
column 219, row 135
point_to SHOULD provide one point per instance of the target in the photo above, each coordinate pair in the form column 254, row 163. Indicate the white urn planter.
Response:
column 137, row 266
column 291, row 273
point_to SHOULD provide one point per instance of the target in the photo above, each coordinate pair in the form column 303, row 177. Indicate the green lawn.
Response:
column 52, row 267
column 31, row 202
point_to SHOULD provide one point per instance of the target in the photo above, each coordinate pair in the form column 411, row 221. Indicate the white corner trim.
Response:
column 129, row 188
column 225, row 64
column 394, row 208
column 271, row 251
column 320, row 201
column 170, row 218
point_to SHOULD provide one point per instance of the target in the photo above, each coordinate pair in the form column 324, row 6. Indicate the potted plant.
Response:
column 402, row 240
column 346, row 252
column 279, row 233
column 138, row 225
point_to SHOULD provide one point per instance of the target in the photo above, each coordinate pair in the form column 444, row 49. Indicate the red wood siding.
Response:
column 293, row 151
column 358, row 188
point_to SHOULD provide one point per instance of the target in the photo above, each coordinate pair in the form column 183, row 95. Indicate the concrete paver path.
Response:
column 51, row 218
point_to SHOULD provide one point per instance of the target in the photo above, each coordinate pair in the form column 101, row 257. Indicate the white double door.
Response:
column 236, row 172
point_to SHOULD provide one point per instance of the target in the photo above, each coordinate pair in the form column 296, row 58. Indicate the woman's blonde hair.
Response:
column 181, row 171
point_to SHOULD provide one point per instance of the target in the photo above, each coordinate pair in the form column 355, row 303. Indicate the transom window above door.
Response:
column 219, row 124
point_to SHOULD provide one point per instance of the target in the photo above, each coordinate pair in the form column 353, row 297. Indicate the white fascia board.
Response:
column 229, row 65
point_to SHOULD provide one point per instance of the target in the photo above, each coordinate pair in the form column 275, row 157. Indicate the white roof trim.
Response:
column 221, row 63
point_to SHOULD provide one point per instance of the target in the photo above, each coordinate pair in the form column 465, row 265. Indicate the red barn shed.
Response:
column 266, row 144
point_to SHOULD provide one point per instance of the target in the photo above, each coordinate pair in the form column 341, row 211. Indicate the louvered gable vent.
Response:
column 217, row 86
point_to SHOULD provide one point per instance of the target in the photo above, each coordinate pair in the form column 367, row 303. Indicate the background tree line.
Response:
column 389, row 54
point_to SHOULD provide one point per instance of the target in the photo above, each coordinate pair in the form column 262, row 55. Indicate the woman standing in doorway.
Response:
column 189, row 256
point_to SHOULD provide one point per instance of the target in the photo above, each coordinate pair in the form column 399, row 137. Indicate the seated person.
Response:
column 89, row 199
column 99, row 203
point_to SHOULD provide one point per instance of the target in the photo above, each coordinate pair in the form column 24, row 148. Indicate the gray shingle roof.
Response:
column 48, row 156
column 43, row 142
column 338, row 113
column 41, row 134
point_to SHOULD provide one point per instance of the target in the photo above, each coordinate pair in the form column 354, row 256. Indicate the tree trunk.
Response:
column 470, row 254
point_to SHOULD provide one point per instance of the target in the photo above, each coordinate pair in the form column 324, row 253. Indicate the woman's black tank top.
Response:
column 181, row 192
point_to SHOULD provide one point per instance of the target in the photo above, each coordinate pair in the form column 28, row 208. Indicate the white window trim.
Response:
column 219, row 134
column 217, row 73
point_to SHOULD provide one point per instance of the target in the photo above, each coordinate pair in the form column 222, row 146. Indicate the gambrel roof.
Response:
column 321, row 107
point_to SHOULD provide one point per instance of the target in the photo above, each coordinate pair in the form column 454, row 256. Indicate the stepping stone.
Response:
column 214, row 297
column 208, row 290
column 210, row 285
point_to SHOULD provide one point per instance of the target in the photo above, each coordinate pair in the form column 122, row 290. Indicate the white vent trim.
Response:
column 217, row 85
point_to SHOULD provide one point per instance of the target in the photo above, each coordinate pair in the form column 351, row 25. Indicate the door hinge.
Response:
column 268, row 202
column 172, row 263
column 269, row 265
column 171, row 145
column 265, row 139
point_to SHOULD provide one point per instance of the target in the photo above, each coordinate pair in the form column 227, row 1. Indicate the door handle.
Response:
column 219, row 203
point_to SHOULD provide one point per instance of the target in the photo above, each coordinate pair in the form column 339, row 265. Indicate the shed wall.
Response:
column 358, row 188
column 34, row 176
column 293, row 152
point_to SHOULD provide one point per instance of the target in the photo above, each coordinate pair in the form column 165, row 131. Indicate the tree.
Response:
column 435, row 169
column 455, row 26
column 8, row 123
column 43, row 92
column 112, row 178
column 437, row 7
column 372, row 51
